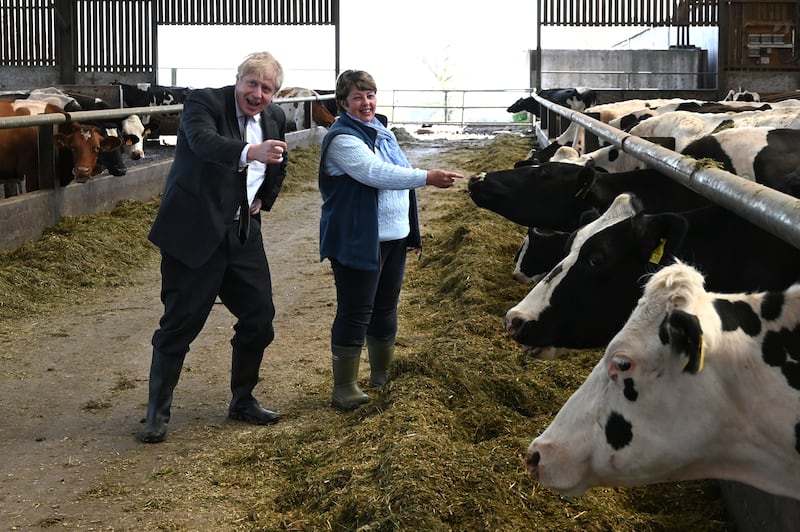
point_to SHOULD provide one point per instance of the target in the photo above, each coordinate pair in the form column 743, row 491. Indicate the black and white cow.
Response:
column 586, row 298
column 607, row 112
column 540, row 251
column 128, row 135
column 695, row 385
column 626, row 122
column 576, row 98
column 762, row 154
column 70, row 102
column 685, row 128
column 555, row 195
column 149, row 95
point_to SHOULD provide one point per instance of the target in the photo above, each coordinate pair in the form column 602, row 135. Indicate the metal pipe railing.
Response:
column 770, row 209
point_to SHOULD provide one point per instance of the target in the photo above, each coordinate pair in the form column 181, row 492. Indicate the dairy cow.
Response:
column 607, row 112
column 555, row 195
column 296, row 113
column 763, row 154
column 626, row 122
column 695, row 385
column 70, row 101
column 576, row 98
column 151, row 95
column 79, row 147
column 684, row 128
column 586, row 298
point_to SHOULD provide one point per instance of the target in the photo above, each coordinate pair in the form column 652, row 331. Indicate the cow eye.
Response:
column 621, row 364
column 595, row 259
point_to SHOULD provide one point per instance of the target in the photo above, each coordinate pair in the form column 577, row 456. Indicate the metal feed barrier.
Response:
column 765, row 207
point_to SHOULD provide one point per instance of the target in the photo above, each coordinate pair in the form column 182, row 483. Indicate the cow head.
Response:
column 550, row 195
column 133, row 135
column 83, row 144
column 528, row 104
column 618, row 429
column 587, row 296
column 680, row 394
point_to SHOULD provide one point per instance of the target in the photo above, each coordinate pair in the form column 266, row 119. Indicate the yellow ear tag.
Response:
column 147, row 131
column 702, row 360
column 658, row 253
column 702, row 355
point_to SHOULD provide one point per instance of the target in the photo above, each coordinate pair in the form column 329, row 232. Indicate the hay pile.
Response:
column 442, row 448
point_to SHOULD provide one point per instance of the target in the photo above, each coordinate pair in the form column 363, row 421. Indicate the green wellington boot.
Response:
column 346, row 393
column 381, row 354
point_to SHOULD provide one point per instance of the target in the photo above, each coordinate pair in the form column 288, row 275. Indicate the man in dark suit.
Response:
column 226, row 170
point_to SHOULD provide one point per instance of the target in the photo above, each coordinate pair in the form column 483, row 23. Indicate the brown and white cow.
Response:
column 696, row 385
column 295, row 111
column 80, row 145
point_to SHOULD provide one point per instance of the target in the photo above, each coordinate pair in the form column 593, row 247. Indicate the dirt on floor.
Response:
column 74, row 382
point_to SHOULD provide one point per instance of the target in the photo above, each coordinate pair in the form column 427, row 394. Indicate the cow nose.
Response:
column 477, row 177
column 532, row 463
column 513, row 324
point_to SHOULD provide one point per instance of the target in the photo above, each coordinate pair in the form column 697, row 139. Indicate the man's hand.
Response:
column 268, row 152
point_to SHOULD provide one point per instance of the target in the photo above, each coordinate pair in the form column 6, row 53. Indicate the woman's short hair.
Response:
column 264, row 65
column 353, row 78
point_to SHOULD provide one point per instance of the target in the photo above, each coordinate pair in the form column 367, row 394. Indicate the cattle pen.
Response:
column 25, row 216
column 773, row 211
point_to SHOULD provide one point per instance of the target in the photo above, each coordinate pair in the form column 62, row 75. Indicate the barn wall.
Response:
column 762, row 81
column 678, row 69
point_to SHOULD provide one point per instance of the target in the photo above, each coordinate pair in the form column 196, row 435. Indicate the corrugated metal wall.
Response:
column 629, row 12
column 28, row 33
column 120, row 35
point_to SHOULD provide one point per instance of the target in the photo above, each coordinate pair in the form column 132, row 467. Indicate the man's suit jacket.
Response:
column 204, row 184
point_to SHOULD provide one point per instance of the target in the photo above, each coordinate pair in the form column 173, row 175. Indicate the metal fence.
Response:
column 765, row 207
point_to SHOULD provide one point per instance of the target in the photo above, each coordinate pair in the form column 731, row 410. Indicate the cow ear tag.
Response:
column 658, row 253
column 700, row 359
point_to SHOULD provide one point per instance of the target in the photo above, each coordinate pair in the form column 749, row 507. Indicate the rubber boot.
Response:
column 381, row 354
column 244, row 377
column 165, row 370
column 346, row 393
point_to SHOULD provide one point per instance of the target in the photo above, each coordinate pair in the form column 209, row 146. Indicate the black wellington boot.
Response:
column 165, row 370
column 244, row 377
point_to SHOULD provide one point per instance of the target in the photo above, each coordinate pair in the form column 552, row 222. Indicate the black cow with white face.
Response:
column 587, row 297
column 555, row 195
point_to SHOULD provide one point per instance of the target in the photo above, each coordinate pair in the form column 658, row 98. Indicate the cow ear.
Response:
column 660, row 235
column 685, row 337
column 584, row 182
column 110, row 143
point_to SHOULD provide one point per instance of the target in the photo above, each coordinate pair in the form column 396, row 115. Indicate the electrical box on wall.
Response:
column 770, row 45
